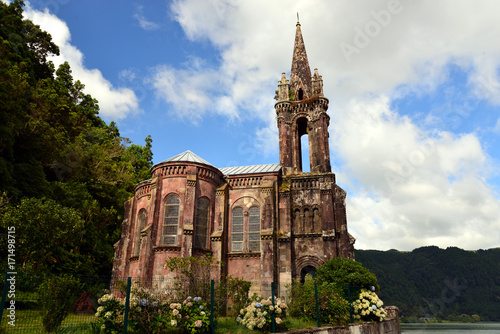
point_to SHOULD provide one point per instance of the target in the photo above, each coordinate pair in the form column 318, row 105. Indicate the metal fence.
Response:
column 24, row 302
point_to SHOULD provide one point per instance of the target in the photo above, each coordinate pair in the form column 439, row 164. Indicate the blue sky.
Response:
column 413, row 88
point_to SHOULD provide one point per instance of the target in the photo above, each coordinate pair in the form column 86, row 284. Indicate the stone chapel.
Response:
column 264, row 223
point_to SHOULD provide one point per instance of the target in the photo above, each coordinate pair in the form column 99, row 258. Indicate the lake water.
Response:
column 477, row 328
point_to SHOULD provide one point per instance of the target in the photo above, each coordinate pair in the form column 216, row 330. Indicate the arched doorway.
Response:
column 307, row 270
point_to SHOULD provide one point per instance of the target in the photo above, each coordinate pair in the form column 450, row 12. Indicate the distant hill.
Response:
column 449, row 284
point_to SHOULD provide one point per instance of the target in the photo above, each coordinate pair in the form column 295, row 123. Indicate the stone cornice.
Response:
column 167, row 249
column 306, row 235
column 188, row 229
column 134, row 258
column 244, row 182
column 243, row 255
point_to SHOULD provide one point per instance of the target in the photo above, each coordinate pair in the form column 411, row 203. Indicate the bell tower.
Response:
column 301, row 110
column 312, row 220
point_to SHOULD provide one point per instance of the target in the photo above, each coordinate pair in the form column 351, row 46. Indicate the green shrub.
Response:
column 346, row 271
column 57, row 297
column 333, row 309
column 231, row 294
column 193, row 276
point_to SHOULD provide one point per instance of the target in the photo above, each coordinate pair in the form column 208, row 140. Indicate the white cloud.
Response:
column 242, row 84
column 408, row 186
column 127, row 75
column 414, row 188
column 408, row 55
column 193, row 91
column 144, row 23
column 496, row 129
column 114, row 102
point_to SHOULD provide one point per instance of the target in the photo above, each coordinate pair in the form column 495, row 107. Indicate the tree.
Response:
column 54, row 146
column 42, row 226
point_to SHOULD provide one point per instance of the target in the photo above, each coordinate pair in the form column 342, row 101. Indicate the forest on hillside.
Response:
column 434, row 283
column 64, row 172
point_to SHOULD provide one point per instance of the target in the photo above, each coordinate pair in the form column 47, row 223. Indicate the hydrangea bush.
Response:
column 152, row 313
column 190, row 316
column 110, row 314
column 368, row 307
column 258, row 315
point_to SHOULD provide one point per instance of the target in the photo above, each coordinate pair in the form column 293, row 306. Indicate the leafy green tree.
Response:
column 42, row 226
column 54, row 145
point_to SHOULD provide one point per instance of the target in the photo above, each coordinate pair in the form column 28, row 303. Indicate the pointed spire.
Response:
column 300, row 76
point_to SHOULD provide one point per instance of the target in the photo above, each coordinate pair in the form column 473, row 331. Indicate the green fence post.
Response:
column 273, row 317
column 127, row 305
column 317, row 304
column 212, row 293
column 4, row 296
column 350, row 303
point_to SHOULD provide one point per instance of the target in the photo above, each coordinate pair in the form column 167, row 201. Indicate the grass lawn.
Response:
column 29, row 321
column 230, row 326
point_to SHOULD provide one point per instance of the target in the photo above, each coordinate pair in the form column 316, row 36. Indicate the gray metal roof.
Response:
column 144, row 181
column 187, row 156
column 254, row 169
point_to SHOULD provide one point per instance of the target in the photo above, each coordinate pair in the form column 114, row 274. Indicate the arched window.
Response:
column 254, row 229
column 171, row 220
column 300, row 94
column 201, row 227
column 141, row 223
column 237, row 230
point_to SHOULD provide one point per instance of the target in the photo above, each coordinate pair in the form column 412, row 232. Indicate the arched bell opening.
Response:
column 303, row 145
column 300, row 94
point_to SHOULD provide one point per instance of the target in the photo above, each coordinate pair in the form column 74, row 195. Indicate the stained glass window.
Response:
column 141, row 223
column 254, row 229
column 237, row 230
column 171, row 220
column 201, row 227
